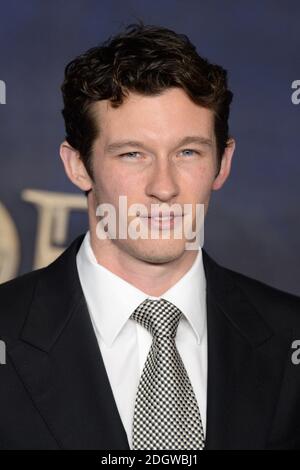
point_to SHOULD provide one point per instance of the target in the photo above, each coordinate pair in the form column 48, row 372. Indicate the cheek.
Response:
column 113, row 182
column 199, row 182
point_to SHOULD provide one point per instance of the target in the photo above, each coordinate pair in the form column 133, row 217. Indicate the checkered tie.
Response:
column 166, row 413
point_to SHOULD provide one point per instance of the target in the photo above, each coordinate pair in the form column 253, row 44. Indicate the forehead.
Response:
column 165, row 115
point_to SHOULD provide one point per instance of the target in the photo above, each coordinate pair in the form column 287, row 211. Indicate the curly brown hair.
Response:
column 146, row 59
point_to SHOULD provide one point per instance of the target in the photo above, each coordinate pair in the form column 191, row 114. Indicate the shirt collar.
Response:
column 110, row 312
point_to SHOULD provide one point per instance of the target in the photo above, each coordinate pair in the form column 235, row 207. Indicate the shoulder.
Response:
column 17, row 295
column 278, row 307
column 15, row 299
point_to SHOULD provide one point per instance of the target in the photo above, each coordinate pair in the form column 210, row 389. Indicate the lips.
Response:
column 161, row 216
column 162, row 222
column 164, row 217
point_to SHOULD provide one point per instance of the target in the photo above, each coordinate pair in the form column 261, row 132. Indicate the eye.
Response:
column 129, row 155
column 192, row 152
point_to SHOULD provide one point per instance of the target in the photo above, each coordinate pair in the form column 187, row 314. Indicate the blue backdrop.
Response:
column 253, row 222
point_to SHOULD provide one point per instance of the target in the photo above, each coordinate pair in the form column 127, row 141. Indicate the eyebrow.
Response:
column 190, row 139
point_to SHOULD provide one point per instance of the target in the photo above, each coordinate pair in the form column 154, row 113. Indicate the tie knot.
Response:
column 160, row 317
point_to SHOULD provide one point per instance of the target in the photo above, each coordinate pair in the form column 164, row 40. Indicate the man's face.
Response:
column 159, row 170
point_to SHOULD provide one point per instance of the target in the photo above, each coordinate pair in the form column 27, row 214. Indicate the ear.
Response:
column 225, row 165
column 74, row 167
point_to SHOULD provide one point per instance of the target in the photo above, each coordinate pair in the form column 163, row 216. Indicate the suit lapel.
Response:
column 245, row 366
column 60, row 364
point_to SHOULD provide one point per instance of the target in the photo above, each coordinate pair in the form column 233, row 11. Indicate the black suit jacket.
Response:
column 55, row 392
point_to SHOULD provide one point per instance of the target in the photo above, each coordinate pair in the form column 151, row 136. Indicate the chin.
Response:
column 157, row 251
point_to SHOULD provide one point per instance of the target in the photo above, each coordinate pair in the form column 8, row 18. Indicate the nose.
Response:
column 162, row 183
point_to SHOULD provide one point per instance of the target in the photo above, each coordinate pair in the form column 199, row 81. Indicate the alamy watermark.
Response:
column 2, row 92
column 295, row 97
column 296, row 354
column 161, row 221
column 2, row 352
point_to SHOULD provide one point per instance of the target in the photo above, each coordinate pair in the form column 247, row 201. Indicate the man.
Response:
column 143, row 343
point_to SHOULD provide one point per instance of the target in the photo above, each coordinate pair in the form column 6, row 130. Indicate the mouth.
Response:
column 164, row 217
column 160, row 215
column 162, row 222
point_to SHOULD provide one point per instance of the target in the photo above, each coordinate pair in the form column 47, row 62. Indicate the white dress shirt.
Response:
column 124, row 343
